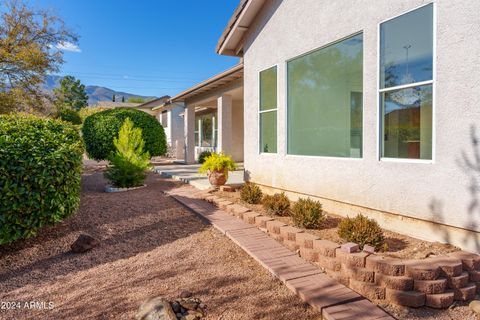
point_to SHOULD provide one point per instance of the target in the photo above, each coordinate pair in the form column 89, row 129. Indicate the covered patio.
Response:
column 213, row 115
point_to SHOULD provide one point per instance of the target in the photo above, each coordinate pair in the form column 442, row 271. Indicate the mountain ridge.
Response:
column 95, row 93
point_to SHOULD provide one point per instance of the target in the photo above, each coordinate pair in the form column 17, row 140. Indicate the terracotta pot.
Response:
column 217, row 178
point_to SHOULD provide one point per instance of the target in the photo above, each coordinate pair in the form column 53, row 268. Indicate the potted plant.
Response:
column 217, row 166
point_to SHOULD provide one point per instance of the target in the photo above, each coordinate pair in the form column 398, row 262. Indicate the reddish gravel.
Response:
column 150, row 246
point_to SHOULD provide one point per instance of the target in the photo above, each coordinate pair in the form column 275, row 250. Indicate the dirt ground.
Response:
column 149, row 246
column 399, row 246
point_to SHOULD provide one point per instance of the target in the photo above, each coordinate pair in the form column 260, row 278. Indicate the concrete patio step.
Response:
column 189, row 174
column 334, row 300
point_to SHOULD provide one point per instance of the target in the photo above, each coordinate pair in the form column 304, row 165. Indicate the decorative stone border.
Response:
column 111, row 189
column 434, row 282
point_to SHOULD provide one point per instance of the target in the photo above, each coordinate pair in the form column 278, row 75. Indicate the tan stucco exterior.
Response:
column 437, row 200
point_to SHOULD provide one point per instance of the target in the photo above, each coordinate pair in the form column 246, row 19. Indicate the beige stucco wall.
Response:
column 237, row 130
column 444, row 191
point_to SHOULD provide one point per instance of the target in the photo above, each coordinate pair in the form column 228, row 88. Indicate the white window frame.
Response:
column 298, row 156
column 431, row 82
column 265, row 111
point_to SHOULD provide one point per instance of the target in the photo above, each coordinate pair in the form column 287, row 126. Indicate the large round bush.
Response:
column 100, row 128
column 40, row 170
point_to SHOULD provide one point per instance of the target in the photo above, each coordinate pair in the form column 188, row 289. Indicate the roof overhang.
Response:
column 211, row 84
column 154, row 103
column 167, row 105
column 232, row 39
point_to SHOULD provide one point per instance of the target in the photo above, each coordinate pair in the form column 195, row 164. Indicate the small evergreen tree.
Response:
column 128, row 165
column 71, row 94
column 113, row 98
column 123, row 98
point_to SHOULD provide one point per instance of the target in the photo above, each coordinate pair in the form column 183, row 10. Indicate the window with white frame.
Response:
column 406, row 85
column 268, row 110
column 325, row 101
column 206, row 130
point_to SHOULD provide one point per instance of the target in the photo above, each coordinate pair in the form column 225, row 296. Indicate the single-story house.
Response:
column 212, row 114
column 145, row 107
column 169, row 116
column 370, row 108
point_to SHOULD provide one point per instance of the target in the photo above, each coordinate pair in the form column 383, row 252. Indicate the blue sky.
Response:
column 146, row 47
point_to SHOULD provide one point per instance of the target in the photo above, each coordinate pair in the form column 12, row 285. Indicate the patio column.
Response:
column 189, row 131
column 224, row 104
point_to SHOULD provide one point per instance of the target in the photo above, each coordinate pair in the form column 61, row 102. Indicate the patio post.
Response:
column 224, row 104
column 189, row 134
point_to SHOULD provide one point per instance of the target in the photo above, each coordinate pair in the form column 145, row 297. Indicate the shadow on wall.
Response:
column 469, row 162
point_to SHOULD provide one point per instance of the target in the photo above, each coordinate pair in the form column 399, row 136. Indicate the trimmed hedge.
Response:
column 70, row 115
column 101, row 128
column 40, row 170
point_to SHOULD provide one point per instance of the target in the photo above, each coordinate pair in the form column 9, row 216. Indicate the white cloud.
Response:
column 68, row 46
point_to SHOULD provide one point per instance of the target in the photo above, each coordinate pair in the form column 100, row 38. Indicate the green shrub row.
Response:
column 40, row 170
column 307, row 213
column 362, row 231
column 278, row 204
column 70, row 115
column 251, row 193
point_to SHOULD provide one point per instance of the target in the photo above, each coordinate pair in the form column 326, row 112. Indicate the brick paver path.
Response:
column 333, row 299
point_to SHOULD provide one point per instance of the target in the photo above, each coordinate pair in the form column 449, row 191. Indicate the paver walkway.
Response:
column 334, row 300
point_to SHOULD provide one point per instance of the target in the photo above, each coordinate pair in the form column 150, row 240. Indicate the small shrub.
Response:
column 40, row 170
column 218, row 162
column 101, row 128
column 70, row 115
column 203, row 156
column 307, row 213
column 277, row 204
column 251, row 193
column 128, row 165
column 362, row 231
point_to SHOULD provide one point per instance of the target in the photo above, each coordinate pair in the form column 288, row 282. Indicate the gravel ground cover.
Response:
column 149, row 246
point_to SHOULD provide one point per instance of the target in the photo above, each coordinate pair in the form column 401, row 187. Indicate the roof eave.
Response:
column 181, row 96
column 232, row 39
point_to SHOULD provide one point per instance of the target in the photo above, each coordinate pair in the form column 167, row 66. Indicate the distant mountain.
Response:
column 95, row 93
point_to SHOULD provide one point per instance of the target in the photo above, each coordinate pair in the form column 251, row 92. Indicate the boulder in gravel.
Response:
column 84, row 243
column 475, row 306
column 189, row 304
column 185, row 294
column 155, row 309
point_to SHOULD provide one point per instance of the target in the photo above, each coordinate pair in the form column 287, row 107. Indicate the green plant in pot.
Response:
column 217, row 166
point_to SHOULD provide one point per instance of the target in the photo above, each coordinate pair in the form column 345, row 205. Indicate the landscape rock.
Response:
column 189, row 304
column 156, row 309
column 176, row 307
column 475, row 306
column 193, row 315
column 185, row 294
column 84, row 243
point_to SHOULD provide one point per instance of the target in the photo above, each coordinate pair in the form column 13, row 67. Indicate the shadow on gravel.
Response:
column 126, row 223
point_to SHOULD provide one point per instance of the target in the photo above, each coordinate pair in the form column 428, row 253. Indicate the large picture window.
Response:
column 325, row 94
column 268, row 110
column 406, row 79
